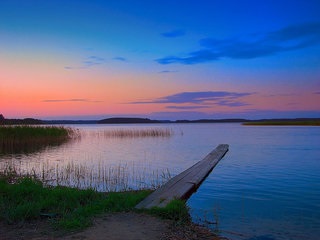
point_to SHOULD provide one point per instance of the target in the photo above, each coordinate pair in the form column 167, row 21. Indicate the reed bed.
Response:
column 19, row 139
column 100, row 177
column 137, row 133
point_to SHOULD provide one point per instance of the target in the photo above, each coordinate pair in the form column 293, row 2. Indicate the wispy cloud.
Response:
column 247, row 114
column 167, row 71
column 88, row 62
column 121, row 59
column 252, row 46
column 201, row 98
column 317, row 93
column 93, row 60
column 174, row 33
column 69, row 100
column 186, row 107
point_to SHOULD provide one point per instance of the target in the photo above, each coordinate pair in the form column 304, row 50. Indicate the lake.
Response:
column 267, row 187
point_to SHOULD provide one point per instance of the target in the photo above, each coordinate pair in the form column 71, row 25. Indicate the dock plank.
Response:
column 184, row 184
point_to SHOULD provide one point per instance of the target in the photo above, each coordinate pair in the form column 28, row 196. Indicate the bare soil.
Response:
column 116, row 226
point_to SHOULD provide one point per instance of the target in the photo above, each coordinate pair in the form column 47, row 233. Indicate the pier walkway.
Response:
column 183, row 185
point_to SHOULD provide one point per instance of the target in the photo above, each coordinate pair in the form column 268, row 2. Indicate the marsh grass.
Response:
column 25, row 139
column 136, row 133
column 100, row 177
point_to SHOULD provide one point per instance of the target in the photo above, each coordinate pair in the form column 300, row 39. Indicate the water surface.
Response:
column 267, row 186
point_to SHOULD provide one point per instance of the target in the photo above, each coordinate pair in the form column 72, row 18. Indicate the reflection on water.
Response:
column 266, row 187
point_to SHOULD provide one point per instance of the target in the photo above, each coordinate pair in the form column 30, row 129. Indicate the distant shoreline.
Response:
column 130, row 120
column 288, row 122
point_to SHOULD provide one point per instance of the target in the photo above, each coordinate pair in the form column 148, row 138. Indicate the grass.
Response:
column 176, row 210
column 17, row 139
column 101, row 177
column 23, row 197
column 313, row 122
column 137, row 133
column 70, row 208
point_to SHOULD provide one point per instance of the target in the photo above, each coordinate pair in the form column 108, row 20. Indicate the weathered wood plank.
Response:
column 187, row 182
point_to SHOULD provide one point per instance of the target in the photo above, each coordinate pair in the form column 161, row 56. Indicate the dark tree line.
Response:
column 26, row 121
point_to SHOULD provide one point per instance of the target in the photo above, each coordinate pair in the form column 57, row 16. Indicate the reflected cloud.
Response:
column 252, row 46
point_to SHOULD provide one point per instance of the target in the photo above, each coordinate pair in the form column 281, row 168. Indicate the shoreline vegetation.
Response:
column 130, row 120
column 27, row 138
column 25, row 200
column 27, row 197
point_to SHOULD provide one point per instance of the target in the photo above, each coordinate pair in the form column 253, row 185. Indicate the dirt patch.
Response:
column 118, row 226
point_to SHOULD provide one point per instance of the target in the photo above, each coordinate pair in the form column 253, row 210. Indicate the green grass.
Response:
column 176, row 210
column 70, row 208
column 27, row 199
column 17, row 139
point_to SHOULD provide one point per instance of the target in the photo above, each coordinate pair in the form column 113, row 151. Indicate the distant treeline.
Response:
column 129, row 120
column 284, row 122
column 25, row 121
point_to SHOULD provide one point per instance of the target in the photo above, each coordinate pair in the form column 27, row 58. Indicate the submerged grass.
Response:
column 17, row 139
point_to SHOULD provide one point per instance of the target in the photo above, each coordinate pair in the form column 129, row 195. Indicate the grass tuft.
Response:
column 176, row 210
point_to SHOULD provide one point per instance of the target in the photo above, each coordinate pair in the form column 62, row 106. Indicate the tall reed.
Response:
column 136, row 133
column 100, row 177
column 17, row 139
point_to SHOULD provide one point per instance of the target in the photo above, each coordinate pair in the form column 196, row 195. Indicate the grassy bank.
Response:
column 284, row 123
column 16, row 139
column 28, row 199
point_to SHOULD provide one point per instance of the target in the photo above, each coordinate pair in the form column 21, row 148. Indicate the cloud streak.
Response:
column 174, row 33
column 200, row 99
column 167, row 71
column 186, row 107
column 88, row 62
column 252, row 46
column 121, row 59
column 68, row 100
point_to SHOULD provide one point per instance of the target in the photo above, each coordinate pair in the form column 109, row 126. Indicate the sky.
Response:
column 168, row 59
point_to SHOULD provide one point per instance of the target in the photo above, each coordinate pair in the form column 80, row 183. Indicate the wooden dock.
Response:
column 183, row 185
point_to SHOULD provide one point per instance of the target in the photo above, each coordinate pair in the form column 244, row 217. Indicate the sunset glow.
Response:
column 159, row 59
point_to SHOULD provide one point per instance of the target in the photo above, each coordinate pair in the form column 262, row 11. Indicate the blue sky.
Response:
column 160, row 59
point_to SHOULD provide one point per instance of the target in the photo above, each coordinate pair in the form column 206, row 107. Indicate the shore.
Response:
column 111, row 226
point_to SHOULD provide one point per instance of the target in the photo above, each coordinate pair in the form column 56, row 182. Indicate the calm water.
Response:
column 267, row 187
